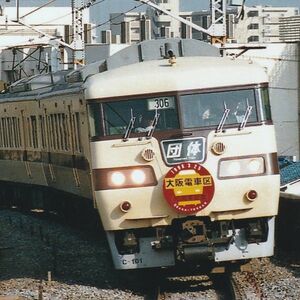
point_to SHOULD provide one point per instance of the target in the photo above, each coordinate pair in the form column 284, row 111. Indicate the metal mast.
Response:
column 78, row 32
column 218, row 21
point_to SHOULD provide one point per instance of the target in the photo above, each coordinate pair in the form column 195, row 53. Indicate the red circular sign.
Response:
column 188, row 188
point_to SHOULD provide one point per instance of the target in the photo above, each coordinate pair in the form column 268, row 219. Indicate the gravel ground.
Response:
column 79, row 262
column 81, row 268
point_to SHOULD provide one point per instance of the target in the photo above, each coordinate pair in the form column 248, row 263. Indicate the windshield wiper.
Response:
column 153, row 125
column 223, row 119
column 246, row 116
column 129, row 126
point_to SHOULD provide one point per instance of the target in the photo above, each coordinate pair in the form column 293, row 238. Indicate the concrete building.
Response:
column 261, row 24
column 130, row 28
column 168, row 27
column 134, row 27
column 289, row 29
column 203, row 19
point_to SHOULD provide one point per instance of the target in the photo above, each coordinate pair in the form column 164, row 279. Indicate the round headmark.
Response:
column 188, row 188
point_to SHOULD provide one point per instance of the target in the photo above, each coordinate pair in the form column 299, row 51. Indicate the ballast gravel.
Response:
column 44, row 259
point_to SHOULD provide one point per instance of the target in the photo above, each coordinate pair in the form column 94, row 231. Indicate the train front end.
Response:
column 184, row 162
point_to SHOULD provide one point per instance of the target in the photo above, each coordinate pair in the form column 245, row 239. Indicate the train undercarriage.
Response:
column 192, row 241
column 68, row 207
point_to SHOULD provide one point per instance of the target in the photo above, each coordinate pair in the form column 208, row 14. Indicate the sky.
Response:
column 116, row 5
column 100, row 12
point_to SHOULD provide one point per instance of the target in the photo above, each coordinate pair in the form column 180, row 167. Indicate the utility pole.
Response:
column 78, row 33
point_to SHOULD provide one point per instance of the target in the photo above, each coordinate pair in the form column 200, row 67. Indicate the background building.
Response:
column 51, row 20
column 258, row 24
column 133, row 27
column 289, row 29
column 261, row 24
column 165, row 26
column 25, row 51
column 128, row 28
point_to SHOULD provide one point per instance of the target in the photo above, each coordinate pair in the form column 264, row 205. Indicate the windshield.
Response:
column 117, row 115
column 207, row 109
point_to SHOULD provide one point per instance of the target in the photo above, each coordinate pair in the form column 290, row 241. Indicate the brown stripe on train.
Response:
column 58, row 159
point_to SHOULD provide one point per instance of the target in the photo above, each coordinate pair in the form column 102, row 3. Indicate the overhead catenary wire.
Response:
column 111, row 19
column 115, row 17
column 89, row 29
column 48, row 21
column 89, row 4
column 38, row 8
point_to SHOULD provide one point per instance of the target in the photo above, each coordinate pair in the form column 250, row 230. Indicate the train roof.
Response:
column 188, row 73
column 71, row 81
column 138, row 69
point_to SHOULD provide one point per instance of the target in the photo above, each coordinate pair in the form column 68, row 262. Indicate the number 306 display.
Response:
column 161, row 103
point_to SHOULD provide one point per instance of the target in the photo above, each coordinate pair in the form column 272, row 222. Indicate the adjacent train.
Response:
column 172, row 144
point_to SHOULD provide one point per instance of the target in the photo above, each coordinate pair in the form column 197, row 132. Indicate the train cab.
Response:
column 184, row 161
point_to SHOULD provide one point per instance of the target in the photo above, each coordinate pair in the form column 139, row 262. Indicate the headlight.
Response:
column 125, row 177
column 138, row 176
column 241, row 167
column 117, row 178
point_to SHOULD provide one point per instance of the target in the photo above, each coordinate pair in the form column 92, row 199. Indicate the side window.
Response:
column 16, row 132
column 34, row 132
column 1, row 134
column 265, row 102
column 43, row 132
column 76, row 129
column 10, row 132
column 4, row 133
column 49, row 131
column 95, row 119
column 4, row 126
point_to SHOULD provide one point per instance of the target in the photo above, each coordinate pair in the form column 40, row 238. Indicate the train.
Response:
column 170, row 142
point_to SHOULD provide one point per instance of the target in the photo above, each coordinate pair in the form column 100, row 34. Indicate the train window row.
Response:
column 58, row 132
column 62, row 130
column 32, row 132
column 10, row 133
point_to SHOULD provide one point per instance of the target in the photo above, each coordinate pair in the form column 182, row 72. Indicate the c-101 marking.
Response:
column 134, row 261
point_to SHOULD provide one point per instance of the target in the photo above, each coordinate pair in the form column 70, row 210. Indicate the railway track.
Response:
column 227, row 286
column 238, row 286
column 182, row 287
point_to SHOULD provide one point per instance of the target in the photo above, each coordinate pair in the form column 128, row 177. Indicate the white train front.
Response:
column 200, row 184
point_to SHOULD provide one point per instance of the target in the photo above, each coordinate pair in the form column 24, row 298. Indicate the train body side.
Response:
column 44, row 142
